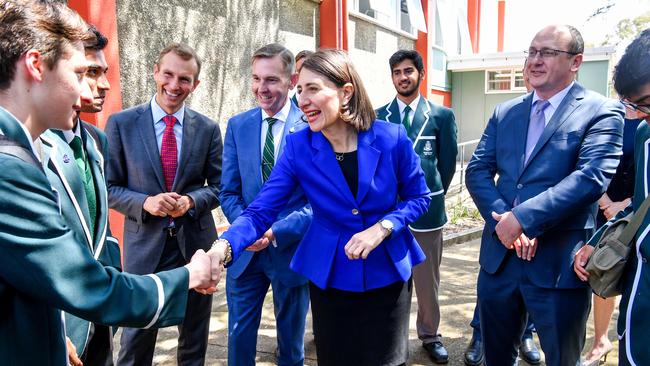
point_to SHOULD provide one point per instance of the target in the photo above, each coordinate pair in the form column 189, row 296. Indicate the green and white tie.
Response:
column 268, row 155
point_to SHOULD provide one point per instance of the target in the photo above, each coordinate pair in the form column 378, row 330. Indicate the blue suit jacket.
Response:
column 391, row 186
column 135, row 172
column 568, row 170
column 241, row 181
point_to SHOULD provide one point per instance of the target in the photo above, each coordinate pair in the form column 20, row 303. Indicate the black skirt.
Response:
column 362, row 328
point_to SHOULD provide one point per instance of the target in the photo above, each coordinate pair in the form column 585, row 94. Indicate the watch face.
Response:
column 387, row 224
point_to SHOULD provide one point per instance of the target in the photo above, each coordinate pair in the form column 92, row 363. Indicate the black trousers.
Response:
column 362, row 328
column 137, row 345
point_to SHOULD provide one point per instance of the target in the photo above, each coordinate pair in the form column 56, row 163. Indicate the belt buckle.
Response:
column 171, row 231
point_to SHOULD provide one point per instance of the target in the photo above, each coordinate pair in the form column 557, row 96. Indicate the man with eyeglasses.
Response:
column 554, row 151
column 632, row 83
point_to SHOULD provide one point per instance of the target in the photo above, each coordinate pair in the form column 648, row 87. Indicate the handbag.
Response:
column 607, row 262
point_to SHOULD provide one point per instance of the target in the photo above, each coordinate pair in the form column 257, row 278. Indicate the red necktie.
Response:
column 168, row 152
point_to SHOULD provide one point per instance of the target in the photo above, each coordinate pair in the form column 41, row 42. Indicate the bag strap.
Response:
column 13, row 148
column 630, row 230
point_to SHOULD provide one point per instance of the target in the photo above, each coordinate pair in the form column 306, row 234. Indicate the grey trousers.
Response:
column 426, row 277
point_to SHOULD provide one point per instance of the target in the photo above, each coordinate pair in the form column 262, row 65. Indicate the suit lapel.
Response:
column 420, row 119
column 521, row 133
column 368, row 159
column 325, row 161
column 61, row 162
column 96, row 161
column 392, row 112
column 189, row 135
column 148, row 136
column 291, row 125
column 568, row 105
column 252, row 132
column 10, row 127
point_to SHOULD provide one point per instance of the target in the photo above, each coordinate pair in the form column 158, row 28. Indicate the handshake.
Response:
column 205, row 268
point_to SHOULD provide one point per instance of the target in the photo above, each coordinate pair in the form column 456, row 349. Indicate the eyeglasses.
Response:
column 546, row 53
column 643, row 108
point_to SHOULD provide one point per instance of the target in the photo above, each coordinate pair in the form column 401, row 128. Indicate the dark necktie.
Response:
column 268, row 155
column 87, row 179
column 406, row 121
column 536, row 126
column 168, row 152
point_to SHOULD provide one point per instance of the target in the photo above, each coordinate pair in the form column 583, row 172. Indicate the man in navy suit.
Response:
column 554, row 152
column 163, row 174
column 254, row 141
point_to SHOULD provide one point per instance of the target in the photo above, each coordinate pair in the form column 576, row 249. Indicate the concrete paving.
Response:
column 457, row 297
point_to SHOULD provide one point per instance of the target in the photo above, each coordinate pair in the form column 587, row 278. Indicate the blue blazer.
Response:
column 568, row 170
column 241, row 181
column 391, row 186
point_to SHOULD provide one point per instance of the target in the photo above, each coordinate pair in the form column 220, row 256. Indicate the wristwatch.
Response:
column 387, row 227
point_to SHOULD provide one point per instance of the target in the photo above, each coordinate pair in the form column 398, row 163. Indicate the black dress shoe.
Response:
column 437, row 352
column 474, row 352
column 529, row 352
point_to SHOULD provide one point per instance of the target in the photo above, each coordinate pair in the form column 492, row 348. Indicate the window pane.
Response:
column 364, row 8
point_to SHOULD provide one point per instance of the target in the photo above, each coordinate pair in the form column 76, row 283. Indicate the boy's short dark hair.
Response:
column 633, row 69
column 402, row 55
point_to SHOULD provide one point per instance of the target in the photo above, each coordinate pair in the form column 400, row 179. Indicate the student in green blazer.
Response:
column 432, row 128
column 74, row 161
column 632, row 83
column 43, row 268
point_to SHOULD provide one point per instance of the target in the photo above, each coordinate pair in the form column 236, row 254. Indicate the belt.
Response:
column 171, row 231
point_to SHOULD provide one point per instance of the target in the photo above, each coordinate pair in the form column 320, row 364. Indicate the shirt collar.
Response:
column 557, row 98
column 75, row 131
column 158, row 113
column 414, row 104
column 282, row 115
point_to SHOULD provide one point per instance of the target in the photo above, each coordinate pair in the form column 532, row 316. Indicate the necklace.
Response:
column 339, row 156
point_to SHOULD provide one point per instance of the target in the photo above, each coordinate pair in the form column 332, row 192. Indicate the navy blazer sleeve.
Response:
column 480, row 174
column 232, row 201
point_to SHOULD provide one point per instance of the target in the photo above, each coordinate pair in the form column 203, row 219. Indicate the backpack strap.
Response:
column 13, row 148
column 630, row 230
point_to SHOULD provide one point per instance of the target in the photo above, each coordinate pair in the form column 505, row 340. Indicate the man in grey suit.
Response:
column 163, row 174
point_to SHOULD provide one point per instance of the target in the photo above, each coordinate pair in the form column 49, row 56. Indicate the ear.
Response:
column 155, row 69
column 34, row 65
column 294, row 80
column 575, row 64
column 422, row 74
column 196, row 83
column 348, row 90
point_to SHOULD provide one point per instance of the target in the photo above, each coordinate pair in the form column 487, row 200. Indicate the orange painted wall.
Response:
column 474, row 22
column 441, row 97
column 502, row 21
column 423, row 46
column 334, row 24
column 103, row 15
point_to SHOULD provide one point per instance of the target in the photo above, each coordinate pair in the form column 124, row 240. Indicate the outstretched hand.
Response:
column 205, row 272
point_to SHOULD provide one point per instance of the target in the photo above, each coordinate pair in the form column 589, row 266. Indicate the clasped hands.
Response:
column 512, row 236
column 205, row 269
column 168, row 204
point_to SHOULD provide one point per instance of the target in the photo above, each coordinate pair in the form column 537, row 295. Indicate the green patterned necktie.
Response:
column 406, row 121
column 87, row 178
column 268, row 155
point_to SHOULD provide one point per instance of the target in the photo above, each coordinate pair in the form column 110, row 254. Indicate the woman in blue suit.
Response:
column 365, row 185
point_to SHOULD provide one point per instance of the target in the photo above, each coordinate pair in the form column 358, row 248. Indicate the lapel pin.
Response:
column 66, row 159
column 292, row 130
